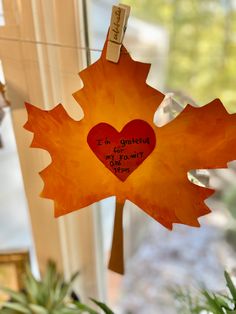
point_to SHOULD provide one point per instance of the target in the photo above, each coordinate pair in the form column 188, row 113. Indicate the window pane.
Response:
column 191, row 46
column 15, row 233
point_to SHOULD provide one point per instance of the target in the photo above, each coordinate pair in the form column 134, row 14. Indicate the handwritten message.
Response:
column 122, row 152
column 116, row 31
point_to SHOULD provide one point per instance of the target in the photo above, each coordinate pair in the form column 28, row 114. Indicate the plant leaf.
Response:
column 73, row 277
column 16, row 296
column 38, row 309
column 8, row 311
column 31, row 286
column 221, row 302
column 103, row 306
column 86, row 308
column 230, row 285
column 212, row 303
column 17, row 307
column 69, row 311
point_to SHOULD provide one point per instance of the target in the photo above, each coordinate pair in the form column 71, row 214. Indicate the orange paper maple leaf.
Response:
column 115, row 94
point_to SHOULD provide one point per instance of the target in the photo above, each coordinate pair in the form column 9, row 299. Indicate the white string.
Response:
column 53, row 44
column 28, row 41
column 49, row 44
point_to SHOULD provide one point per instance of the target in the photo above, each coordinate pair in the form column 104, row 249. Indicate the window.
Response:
column 15, row 231
column 45, row 75
column 191, row 46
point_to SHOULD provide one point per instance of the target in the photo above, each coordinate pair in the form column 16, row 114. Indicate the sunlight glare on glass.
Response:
column 2, row 20
column 2, row 78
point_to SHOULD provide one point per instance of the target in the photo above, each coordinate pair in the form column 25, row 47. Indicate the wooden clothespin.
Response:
column 118, row 25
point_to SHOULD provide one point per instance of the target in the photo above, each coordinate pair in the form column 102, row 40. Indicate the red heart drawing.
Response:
column 122, row 152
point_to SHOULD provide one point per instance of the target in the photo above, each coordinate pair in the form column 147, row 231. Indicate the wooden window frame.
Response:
column 44, row 76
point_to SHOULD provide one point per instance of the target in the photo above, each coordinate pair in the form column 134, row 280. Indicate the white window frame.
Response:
column 44, row 76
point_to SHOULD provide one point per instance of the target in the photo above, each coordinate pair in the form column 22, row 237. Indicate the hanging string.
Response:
column 28, row 41
column 54, row 44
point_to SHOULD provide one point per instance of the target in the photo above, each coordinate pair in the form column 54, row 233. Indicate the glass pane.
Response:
column 201, row 46
column 191, row 46
column 15, row 233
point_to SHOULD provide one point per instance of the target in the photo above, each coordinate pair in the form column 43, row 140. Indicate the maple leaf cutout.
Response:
column 199, row 138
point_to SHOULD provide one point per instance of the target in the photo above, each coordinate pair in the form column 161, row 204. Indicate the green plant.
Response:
column 50, row 295
column 208, row 302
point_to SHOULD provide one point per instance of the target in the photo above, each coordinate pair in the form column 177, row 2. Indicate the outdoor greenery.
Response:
column 50, row 295
column 202, row 46
column 208, row 302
